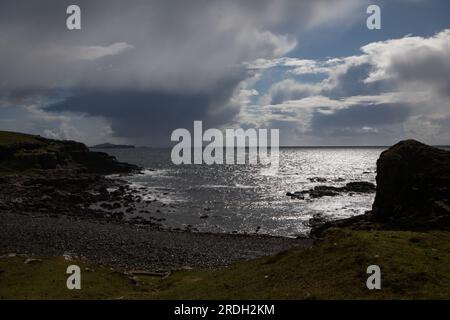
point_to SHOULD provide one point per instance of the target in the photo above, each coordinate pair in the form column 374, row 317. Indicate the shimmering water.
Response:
column 246, row 198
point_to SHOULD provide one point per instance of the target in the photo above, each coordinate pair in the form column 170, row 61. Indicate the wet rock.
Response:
column 360, row 186
column 317, row 219
column 322, row 191
column 296, row 195
column 331, row 191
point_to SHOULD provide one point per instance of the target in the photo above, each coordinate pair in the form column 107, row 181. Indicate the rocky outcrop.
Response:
column 101, row 162
column 413, row 186
column 331, row 191
column 412, row 193
column 21, row 152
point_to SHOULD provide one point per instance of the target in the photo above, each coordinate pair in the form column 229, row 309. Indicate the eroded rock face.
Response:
column 413, row 186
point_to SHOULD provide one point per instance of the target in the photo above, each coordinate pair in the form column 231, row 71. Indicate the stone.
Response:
column 360, row 186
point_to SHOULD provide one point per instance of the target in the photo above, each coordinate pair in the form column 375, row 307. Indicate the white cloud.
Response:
column 407, row 64
column 296, row 66
column 412, row 61
column 409, row 74
column 87, row 53
column 289, row 89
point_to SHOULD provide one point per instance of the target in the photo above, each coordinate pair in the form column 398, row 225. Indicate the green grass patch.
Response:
column 47, row 280
column 413, row 265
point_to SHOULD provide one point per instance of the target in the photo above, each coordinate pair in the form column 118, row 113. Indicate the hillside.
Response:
column 24, row 153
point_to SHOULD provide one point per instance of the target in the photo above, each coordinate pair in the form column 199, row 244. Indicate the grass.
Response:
column 9, row 138
column 23, row 160
column 47, row 280
column 413, row 266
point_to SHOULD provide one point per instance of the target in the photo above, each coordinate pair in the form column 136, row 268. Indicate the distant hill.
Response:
column 112, row 146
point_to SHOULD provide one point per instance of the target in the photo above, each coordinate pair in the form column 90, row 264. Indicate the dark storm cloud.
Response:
column 149, row 117
column 147, row 66
column 172, row 45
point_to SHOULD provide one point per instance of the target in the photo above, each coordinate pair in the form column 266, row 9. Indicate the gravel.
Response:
column 130, row 247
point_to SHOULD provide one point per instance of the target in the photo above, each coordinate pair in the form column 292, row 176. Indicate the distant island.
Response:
column 112, row 146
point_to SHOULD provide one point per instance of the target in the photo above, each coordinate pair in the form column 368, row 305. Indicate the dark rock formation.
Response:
column 360, row 186
column 413, row 191
column 361, row 222
column 413, row 186
column 21, row 152
column 331, row 191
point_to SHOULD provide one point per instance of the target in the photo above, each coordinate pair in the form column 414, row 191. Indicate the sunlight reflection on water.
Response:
column 244, row 197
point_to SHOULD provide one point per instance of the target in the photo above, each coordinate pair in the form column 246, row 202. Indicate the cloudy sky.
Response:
column 139, row 69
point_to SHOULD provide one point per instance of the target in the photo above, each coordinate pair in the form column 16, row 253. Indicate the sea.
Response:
column 250, row 198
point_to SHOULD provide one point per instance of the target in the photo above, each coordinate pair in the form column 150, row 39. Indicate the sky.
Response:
column 137, row 70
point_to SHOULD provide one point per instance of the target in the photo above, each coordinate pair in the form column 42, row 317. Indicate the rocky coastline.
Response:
column 68, row 214
column 56, row 198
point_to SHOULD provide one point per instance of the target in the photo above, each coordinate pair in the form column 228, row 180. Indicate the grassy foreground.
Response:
column 413, row 266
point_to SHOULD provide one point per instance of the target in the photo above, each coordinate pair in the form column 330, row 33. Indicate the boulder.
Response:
column 360, row 187
column 413, row 187
column 322, row 191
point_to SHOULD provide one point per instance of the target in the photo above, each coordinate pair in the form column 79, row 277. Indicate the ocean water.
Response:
column 249, row 198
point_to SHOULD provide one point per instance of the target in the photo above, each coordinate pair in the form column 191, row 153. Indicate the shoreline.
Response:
column 126, row 246
column 56, row 213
